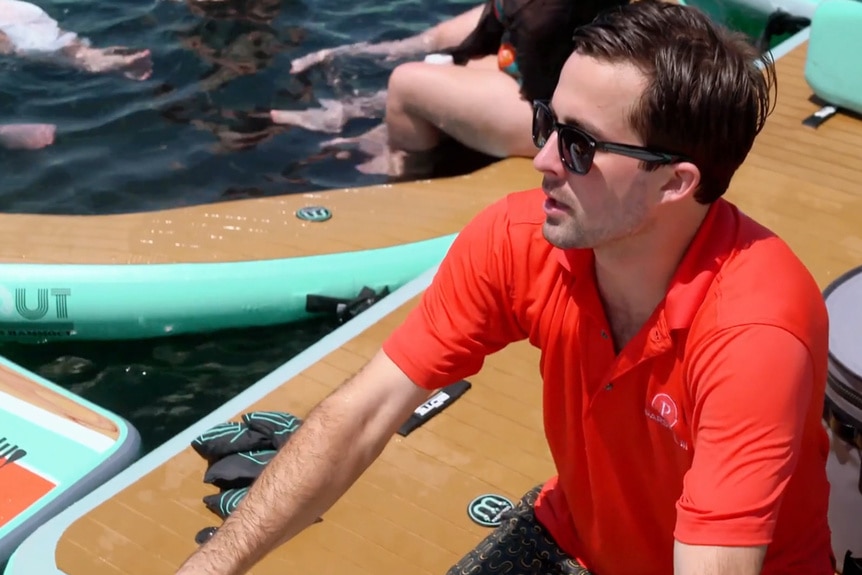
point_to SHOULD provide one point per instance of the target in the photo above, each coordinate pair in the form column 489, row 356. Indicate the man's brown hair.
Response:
column 708, row 90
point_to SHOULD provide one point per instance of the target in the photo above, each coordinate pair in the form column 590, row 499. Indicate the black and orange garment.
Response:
column 532, row 39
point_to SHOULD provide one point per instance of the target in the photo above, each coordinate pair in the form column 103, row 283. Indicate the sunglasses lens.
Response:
column 543, row 125
column 576, row 147
column 577, row 150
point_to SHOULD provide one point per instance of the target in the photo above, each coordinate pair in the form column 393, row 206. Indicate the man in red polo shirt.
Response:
column 683, row 345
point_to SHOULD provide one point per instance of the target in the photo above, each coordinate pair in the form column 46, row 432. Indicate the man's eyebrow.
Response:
column 585, row 126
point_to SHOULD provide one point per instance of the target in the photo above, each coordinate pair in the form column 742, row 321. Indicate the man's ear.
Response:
column 682, row 182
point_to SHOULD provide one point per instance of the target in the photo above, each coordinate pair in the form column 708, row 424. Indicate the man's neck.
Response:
column 633, row 275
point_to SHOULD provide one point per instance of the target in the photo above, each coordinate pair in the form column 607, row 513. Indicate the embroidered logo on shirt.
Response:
column 666, row 408
column 664, row 411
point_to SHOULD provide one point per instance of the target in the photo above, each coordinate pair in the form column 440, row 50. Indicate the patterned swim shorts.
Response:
column 519, row 546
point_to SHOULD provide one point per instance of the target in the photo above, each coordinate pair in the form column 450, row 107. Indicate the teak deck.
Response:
column 266, row 228
column 408, row 513
column 20, row 386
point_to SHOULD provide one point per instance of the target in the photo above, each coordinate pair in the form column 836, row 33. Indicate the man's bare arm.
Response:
column 446, row 34
column 339, row 439
column 715, row 560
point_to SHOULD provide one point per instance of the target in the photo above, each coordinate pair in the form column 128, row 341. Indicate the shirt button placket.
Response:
column 608, row 386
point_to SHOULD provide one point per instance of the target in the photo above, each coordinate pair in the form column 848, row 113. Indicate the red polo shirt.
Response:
column 705, row 428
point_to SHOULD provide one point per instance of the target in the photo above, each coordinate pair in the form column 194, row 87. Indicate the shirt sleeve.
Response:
column 466, row 313
column 753, row 389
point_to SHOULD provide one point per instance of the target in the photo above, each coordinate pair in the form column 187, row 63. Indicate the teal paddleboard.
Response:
column 55, row 447
column 50, row 302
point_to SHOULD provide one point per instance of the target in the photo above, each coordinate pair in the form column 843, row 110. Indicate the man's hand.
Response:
column 714, row 560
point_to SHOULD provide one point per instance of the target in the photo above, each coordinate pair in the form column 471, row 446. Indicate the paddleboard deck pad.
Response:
column 55, row 447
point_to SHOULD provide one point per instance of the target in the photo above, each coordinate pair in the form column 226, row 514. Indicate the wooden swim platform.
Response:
column 407, row 514
column 263, row 228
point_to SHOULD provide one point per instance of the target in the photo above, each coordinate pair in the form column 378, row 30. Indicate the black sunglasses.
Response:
column 577, row 148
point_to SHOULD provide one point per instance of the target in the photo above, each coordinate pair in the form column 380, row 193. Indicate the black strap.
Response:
column 852, row 565
column 344, row 308
column 778, row 23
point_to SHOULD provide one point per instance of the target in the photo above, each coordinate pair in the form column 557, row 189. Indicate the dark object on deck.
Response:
column 205, row 535
column 256, row 431
column 238, row 469
column 820, row 116
column 224, row 502
column 237, row 453
column 779, row 23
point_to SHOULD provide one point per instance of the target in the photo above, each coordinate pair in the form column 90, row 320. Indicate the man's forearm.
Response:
column 320, row 462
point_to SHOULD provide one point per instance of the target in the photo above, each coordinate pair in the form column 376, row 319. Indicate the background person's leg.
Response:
column 133, row 63
column 519, row 546
column 478, row 106
column 30, row 32
column 333, row 114
column 441, row 102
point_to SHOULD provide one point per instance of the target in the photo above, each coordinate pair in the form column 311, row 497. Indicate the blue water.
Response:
column 163, row 386
column 193, row 133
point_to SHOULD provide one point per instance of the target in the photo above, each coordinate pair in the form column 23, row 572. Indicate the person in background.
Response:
column 684, row 346
column 28, row 31
column 505, row 54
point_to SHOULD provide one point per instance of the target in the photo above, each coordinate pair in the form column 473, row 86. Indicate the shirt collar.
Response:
column 711, row 246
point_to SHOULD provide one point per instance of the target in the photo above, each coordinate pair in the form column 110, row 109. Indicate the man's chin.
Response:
column 561, row 236
column 555, row 234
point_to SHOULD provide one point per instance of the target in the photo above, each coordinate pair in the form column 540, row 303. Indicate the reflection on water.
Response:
column 163, row 386
column 234, row 39
column 257, row 11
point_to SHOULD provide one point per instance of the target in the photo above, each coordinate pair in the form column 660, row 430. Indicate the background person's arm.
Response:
column 442, row 36
column 339, row 439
